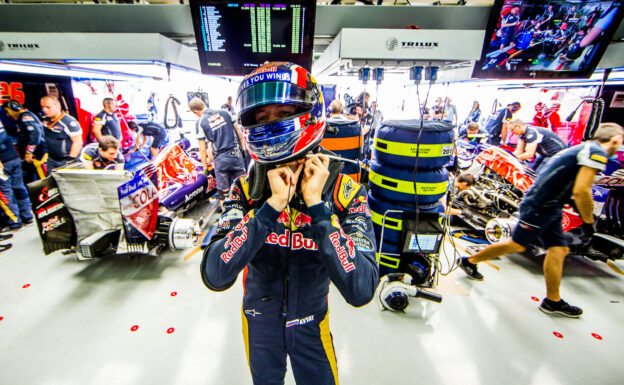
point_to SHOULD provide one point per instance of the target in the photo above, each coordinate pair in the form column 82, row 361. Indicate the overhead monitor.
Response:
column 235, row 38
column 547, row 39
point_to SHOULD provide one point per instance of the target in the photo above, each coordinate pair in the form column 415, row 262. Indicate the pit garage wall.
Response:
column 28, row 89
column 614, row 104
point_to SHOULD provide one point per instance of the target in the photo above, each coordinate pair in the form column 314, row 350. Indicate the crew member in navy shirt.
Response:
column 143, row 130
column 534, row 140
column 62, row 133
column 497, row 127
column 104, row 155
column 30, row 142
column 219, row 140
column 568, row 175
column 13, row 194
column 105, row 123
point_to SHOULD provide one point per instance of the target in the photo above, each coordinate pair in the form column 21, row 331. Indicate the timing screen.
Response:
column 236, row 38
column 536, row 35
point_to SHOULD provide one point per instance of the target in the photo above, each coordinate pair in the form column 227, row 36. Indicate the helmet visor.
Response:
column 269, row 93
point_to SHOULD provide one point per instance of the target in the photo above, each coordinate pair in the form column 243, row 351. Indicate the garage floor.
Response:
column 151, row 321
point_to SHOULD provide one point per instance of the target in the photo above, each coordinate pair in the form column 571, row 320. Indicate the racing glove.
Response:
column 588, row 230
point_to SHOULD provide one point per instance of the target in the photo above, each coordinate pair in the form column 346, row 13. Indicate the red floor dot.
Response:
column 558, row 335
column 1, row 318
column 174, row 293
column 597, row 336
column 134, row 328
column 170, row 330
column 535, row 299
column 26, row 286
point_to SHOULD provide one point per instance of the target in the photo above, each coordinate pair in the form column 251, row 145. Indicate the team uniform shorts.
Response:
column 537, row 223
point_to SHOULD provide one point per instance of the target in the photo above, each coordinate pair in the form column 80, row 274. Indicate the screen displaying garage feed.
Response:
column 235, row 38
column 534, row 38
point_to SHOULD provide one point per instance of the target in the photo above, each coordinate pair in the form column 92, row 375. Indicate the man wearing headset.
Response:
column 62, row 133
column 497, row 127
column 293, row 225
column 30, row 142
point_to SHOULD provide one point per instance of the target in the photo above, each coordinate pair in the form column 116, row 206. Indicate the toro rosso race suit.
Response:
column 288, row 263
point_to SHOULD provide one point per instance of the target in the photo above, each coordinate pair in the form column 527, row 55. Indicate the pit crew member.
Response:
column 13, row 194
column 473, row 133
column 103, row 155
column 143, row 130
column 569, row 174
column 62, row 133
column 105, row 123
column 217, row 136
column 534, row 140
column 30, row 142
column 497, row 126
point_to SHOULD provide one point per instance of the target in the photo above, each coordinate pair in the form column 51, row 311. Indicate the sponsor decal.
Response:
column 392, row 43
column 362, row 208
column 231, row 215
column 195, row 193
column 348, row 189
column 52, row 224
column 27, row 118
column 48, row 194
column 234, row 244
column 342, row 253
column 252, row 312
column 362, row 242
column 297, row 240
column 17, row 46
column 299, row 321
column 139, row 205
column 298, row 219
column 49, row 210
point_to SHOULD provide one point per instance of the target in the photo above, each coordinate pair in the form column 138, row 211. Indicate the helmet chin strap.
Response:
column 259, row 183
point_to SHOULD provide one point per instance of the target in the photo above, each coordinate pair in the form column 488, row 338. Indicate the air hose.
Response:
column 174, row 103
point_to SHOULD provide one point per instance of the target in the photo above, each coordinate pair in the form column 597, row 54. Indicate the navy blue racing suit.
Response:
column 288, row 264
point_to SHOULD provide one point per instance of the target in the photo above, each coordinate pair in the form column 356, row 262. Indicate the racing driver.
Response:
column 293, row 224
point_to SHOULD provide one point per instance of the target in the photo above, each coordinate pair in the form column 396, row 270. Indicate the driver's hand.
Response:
column 283, row 182
column 315, row 175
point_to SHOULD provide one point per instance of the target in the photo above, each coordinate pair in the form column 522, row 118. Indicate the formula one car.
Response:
column 501, row 180
column 102, row 212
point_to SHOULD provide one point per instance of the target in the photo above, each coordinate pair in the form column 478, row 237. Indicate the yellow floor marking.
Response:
column 614, row 267
column 493, row 266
